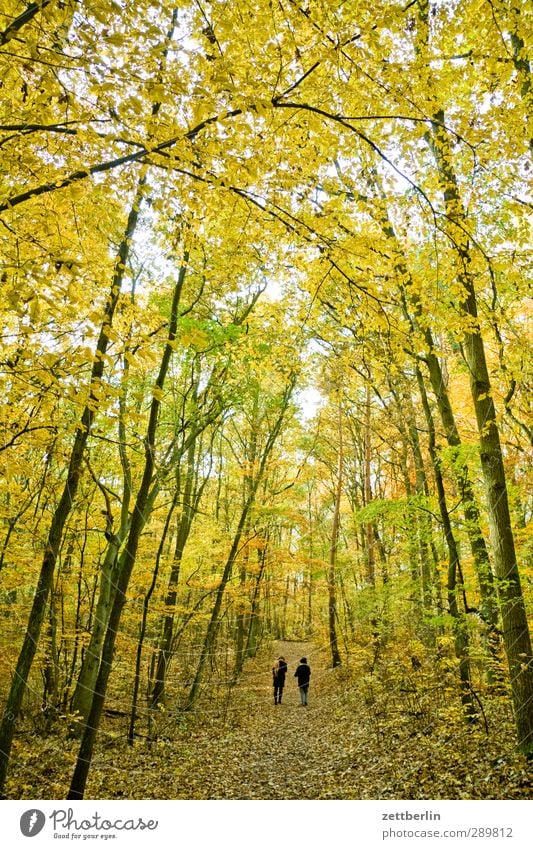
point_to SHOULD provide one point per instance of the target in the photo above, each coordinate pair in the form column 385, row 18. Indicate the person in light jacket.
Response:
column 303, row 674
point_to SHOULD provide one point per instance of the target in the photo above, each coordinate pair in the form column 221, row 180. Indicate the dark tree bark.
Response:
column 514, row 620
column 454, row 566
column 189, row 503
column 332, row 590
column 66, row 501
column 83, row 764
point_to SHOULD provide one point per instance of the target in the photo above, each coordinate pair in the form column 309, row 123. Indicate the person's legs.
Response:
column 305, row 689
column 302, row 695
column 276, row 694
column 280, row 693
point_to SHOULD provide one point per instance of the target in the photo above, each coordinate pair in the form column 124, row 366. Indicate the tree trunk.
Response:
column 369, row 535
column 144, row 620
column 242, row 600
column 184, row 528
column 83, row 694
column 79, row 779
column 460, row 626
column 332, row 590
column 253, row 624
column 514, row 620
column 64, row 507
column 488, row 611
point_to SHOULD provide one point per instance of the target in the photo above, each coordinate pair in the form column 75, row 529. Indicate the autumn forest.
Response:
column 265, row 390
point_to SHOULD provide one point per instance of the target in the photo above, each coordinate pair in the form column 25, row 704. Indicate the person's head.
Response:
column 303, row 660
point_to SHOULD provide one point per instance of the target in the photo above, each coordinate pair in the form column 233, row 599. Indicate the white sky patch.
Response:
column 309, row 401
column 273, row 291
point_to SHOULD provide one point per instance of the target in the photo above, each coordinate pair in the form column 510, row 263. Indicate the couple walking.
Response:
column 303, row 674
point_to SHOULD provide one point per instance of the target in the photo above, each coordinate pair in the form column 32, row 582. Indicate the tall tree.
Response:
column 515, row 627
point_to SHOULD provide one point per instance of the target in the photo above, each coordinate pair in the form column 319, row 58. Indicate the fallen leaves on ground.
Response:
column 359, row 738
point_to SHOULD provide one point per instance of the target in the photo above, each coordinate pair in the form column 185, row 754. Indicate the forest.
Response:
column 266, row 391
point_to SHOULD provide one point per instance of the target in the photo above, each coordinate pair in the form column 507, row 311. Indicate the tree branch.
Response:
column 24, row 18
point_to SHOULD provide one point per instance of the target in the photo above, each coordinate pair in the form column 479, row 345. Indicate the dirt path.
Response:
column 274, row 751
column 341, row 746
column 336, row 748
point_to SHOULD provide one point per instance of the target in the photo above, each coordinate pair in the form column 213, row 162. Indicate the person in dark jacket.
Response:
column 279, row 671
column 303, row 674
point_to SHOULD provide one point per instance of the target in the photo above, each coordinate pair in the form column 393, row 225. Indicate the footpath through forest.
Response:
column 350, row 742
column 341, row 746
column 273, row 751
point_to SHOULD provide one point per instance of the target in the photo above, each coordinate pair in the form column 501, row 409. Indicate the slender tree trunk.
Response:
column 488, row 611
column 514, row 620
column 77, row 637
column 310, row 568
column 84, row 691
column 253, row 625
column 332, row 590
column 243, row 601
column 410, row 512
column 81, row 772
column 66, row 501
column 184, row 528
column 50, row 703
column 214, row 622
column 83, row 694
column 489, row 606
column 424, row 520
column 281, row 621
column 460, row 626
column 369, row 535
column 419, row 523
column 242, row 615
column 144, row 620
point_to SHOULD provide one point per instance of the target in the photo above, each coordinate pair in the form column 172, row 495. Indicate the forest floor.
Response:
column 245, row 747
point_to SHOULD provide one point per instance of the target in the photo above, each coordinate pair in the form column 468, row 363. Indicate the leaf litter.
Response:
column 357, row 739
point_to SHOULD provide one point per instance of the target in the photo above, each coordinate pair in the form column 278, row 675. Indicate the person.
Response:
column 303, row 674
column 279, row 670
